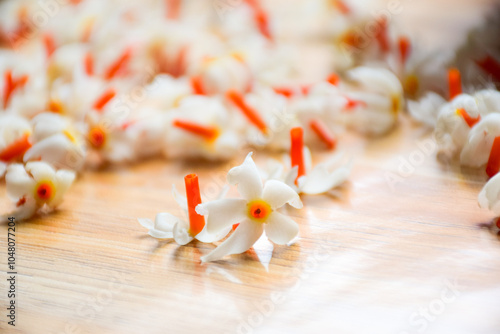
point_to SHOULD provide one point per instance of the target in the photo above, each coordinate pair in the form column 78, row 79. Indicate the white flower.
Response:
column 35, row 186
column 56, row 142
column 219, row 75
column 201, row 127
column 168, row 226
column 379, row 98
column 455, row 119
column 255, row 212
column 489, row 197
column 477, row 149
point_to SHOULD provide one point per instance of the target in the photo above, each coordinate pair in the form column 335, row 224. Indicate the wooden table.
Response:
column 415, row 256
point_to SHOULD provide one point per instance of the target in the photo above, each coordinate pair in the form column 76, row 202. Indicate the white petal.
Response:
column 57, row 150
column 222, row 213
column 247, row 177
column 41, row 171
column 320, row 180
column 146, row 222
column 181, row 233
column 164, row 222
column 18, row 182
column 281, row 229
column 206, row 237
column 181, row 200
column 489, row 197
column 277, row 194
column 477, row 149
column 25, row 211
column 3, row 169
column 245, row 235
column 63, row 180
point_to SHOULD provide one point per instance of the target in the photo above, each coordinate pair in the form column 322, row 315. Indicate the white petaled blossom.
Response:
column 377, row 95
column 35, row 186
column 168, row 226
column 320, row 179
column 426, row 109
column 479, row 143
column 56, row 142
column 255, row 212
column 489, row 197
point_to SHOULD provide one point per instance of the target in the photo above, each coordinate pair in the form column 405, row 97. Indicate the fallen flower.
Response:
column 168, row 226
column 35, row 186
column 255, row 212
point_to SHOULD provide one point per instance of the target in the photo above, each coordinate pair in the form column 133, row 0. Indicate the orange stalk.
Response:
column 251, row 114
column 352, row 104
column 89, row 64
column 342, row 7
column 261, row 18
column 454, row 83
column 118, row 64
column 469, row 120
column 490, row 65
column 323, row 133
column 11, row 85
column 173, row 9
column 285, row 91
column 297, row 151
column 50, row 44
column 197, row 85
column 494, row 159
column 16, row 149
column 196, row 221
column 404, row 45
column 207, row 132
column 381, row 35
column 333, row 79
column 104, row 99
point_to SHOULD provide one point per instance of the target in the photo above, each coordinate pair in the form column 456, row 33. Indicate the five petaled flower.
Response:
column 255, row 212
column 35, row 186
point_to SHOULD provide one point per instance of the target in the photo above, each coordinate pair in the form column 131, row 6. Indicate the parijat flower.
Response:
column 319, row 179
column 35, row 186
column 168, row 226
column 255, row 212
column 374, row 101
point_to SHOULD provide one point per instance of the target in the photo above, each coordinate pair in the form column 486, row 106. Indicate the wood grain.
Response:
column 419, row 257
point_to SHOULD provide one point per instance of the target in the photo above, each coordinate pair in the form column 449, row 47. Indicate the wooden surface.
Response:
column 418, row 257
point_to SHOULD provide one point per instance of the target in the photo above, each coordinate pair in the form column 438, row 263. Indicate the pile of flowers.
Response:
column 100, row 83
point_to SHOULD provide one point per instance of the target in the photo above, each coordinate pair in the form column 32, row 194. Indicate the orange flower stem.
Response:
column 204, row 131
column 493, row 165
column 251, row 114
column 16, row 149
column 342, row 7
column 197, row 85
column 469, row 120
column 11, row 85
column 297, row 150
column 50, row 44
column 89, row 64
column 261, row 18
column 173, row 9
column 104, row 99
column 196, row 221
column 454, row 83
column 323, row 133
column 404, row 45
column 118, row 64
column 333, row 79
column 381, row 36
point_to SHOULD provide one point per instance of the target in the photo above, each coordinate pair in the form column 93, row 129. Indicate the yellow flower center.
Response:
column 259, row 210
column 396, row 104
column 411, row 85
column 44, row 191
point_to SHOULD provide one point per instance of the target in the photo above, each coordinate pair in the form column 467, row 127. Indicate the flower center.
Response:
column 411, row 85
column 259, row 210
column 97, row 137
column 44, row 191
